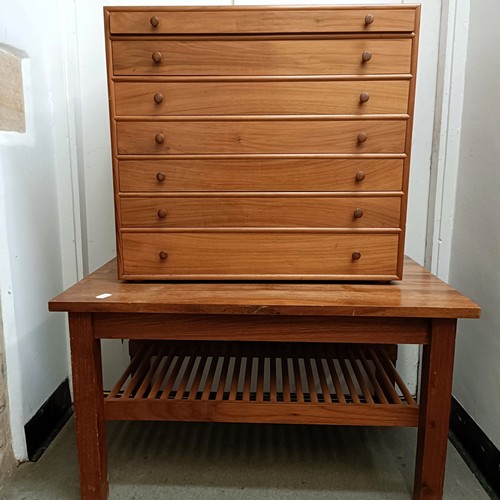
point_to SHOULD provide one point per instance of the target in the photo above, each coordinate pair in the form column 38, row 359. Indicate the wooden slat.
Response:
column 160, row 376
column 313, row 395
column 131, row 368
column 159, row 356
column 222, row 378
column 353, row 392
column 394, row 374
column 176, row 362
column 299, row 391
column 210, row 379
column 336, row 382
column 386, row 381
column 273, row 376
column 259, row 392
column 373, row 379
column 235, row 378
column 286, row 379
column 139, row 373
column 361, row 381
column 325, row 390
column 185, row 378
column 247, row 378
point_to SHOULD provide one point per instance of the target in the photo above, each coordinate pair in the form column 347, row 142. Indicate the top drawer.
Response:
column 258, row 20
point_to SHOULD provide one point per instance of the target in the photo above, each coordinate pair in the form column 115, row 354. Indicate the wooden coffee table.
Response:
column 312, row 353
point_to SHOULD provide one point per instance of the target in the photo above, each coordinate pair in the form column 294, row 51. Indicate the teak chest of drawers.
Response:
column 261, row 143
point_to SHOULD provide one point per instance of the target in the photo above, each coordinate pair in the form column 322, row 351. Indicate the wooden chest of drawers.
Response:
column 261, row 143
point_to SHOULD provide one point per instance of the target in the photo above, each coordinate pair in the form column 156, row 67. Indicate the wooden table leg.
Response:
column 89, row 407
column 435, row 400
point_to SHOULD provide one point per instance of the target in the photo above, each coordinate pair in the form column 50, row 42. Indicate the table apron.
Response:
column 261, row 328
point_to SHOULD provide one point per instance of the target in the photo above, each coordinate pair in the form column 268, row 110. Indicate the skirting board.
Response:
column 48, row 421
column 478, row 452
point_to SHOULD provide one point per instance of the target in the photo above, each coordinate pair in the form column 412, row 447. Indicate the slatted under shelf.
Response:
column 262, row 382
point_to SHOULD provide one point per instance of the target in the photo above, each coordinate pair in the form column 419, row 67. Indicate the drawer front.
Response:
column 260, row 174
column 264, row 98
column 261, row 57
column 261, row 211
column 271, row 136
column 253, row 20
column 254, row 254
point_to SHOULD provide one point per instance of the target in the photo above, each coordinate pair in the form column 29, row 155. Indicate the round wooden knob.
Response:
column 364, row 97
column 159, row 138
column 366, row 56
column 356, row 255
column 154, row 21
column 360, row 175
column 158, row 98
column 156, row 57
column 362, row 136
column 162, row 213
column 163, row 255
column 358, row 213
column 160, row 176
column 369, row 18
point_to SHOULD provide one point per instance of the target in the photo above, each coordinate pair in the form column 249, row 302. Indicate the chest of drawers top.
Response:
column 261, row 142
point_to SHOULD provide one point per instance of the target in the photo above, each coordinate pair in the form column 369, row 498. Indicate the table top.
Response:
column 419, row 294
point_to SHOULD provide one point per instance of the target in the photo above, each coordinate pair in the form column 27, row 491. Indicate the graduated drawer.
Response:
column 260, row 174
column 261, row 98
column 261, row 211
column 258, row 20
column 261, row 136
column 255, row 255
column 261, row 57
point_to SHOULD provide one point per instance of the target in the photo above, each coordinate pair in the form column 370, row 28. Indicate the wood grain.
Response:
column 419, row 294
column 89, row 407
column 260, row 328
column 234, row 411
column 260, row 174
column 245, row 20
column 235, row 254
column 435, row 401
column 261, row 57
column 260, row 211
column 264, row 98
column 270, row 136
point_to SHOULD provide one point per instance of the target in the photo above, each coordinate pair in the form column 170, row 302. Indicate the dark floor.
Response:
column 169, row 460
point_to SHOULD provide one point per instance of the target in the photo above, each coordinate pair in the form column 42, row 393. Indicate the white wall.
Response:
column 475, row 248
column 30, row 247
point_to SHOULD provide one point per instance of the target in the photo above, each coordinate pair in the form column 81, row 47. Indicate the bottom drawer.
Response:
column 259, row 255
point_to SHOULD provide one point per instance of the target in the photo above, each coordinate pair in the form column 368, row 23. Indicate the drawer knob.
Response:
column 159, row 138
column 369, row 18
column 158, row 98
column 358, row 213
column 362, row 137
column 366, row 56
column 360, row 176
column 356, row 255
column 156, row 57
column 364, row 97
column 163, row 255
column 154, row 21
column 162, row 213
column 160, row 176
